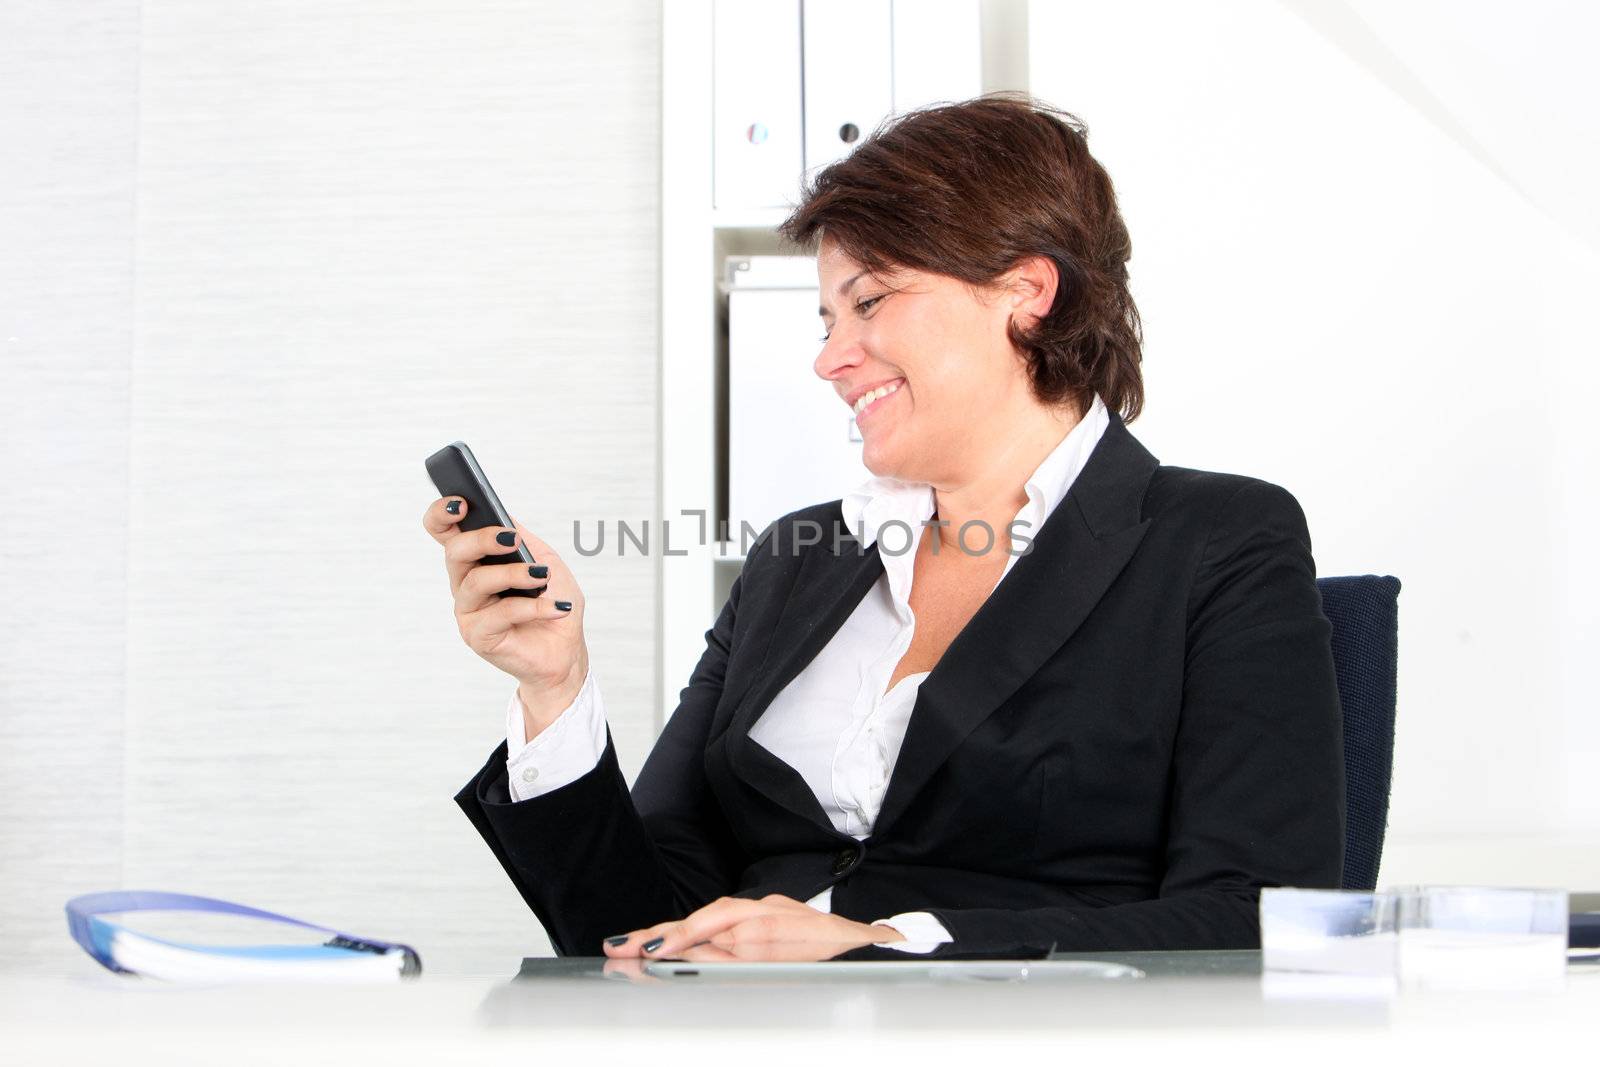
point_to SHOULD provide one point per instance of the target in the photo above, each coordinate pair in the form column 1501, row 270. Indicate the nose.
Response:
column 838, row 355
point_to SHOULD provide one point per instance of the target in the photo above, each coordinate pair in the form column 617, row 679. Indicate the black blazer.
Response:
column 1135, row 732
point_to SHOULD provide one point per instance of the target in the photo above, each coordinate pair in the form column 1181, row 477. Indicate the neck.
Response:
column 992, row 489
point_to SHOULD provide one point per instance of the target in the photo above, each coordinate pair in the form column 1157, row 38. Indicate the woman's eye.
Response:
column 863, row 306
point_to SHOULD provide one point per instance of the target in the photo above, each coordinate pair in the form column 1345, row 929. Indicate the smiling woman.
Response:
column 1084, row 701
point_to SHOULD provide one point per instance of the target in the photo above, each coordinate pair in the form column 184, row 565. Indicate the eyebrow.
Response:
column 845, row 288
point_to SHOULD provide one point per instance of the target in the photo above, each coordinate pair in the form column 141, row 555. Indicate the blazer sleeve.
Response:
column 592, row 860
column 1257, row 778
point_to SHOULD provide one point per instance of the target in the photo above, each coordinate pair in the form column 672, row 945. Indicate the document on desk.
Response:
column 897, row 970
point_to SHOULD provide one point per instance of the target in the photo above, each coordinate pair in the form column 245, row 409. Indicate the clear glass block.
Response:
column 1327, row 931
column 1476, row 937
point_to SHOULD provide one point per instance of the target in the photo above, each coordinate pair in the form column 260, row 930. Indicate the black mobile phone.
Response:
column 455, row 472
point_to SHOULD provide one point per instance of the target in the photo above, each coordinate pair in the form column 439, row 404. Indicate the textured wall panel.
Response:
column 363, row 230
column 68, row 107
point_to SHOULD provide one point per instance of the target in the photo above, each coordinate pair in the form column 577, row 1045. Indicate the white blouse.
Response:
column 833, row 723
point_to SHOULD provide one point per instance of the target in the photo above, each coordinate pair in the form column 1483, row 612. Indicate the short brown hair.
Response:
column 968, row 190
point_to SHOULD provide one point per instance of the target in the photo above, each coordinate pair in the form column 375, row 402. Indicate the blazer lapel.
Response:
column 1076, row 555
column 830, row 583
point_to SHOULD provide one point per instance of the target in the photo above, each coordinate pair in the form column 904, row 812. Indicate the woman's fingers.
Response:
column 671, row 938
column 772, row 928
column 708, row 922
column 624, row 946
column 443, row 525
column 484, row 629
column 659, row 940
column 481, row 585
column 440, row 522
column 464, row 548
column 462, row 553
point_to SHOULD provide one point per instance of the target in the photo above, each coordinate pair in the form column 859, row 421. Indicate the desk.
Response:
column 1192, row 1007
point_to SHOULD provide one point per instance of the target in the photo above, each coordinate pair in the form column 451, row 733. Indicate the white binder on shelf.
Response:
column 757, row 133
column 792, row 441
column 849, row 82
column 776, row 117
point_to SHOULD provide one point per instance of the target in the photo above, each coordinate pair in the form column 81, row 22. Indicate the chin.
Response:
column 885, row 463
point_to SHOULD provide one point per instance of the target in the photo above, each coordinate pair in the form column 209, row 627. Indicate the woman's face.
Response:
column 953, row 375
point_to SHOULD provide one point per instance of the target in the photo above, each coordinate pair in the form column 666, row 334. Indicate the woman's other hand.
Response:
column 537, row 640
column 734, row 928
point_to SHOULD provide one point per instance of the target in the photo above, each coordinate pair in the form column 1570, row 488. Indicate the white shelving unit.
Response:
column 695, row 241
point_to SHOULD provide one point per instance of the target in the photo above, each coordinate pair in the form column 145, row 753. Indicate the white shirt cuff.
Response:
column 562, row 752
column 922, row 932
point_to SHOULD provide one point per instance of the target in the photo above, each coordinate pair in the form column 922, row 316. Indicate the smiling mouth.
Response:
column 869, row 400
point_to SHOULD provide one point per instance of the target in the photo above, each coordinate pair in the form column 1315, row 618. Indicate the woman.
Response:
column 1024, row 688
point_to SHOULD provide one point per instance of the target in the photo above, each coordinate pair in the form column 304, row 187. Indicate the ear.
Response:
column 1032, row 288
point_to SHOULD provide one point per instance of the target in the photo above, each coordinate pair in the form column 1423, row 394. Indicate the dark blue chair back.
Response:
column 1364, row 612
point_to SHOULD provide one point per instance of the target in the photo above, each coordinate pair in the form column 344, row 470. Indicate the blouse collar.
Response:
column 871, row 507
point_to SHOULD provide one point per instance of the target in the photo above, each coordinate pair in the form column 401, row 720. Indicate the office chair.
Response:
column 1364, row 612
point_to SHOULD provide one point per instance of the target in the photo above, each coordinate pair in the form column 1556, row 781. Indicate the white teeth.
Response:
column 868, row 397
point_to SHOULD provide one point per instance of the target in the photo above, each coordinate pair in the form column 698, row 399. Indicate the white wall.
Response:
column 68, row 143
column 258, row 262
column 1357, row 284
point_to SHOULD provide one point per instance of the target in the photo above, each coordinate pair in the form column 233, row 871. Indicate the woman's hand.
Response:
column 529, row 638
column 733, row 928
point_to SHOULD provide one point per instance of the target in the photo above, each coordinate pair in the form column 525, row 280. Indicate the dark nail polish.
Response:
column 454, row 507
column 620, row 939
column 651, row 946
column 563, row 605
column 541, row 571
column 507, row 538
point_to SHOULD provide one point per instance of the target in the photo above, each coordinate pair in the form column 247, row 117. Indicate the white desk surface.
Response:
column 1214, row 1013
